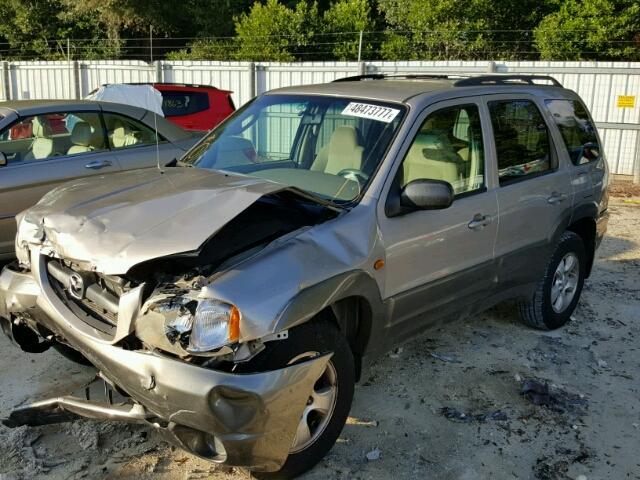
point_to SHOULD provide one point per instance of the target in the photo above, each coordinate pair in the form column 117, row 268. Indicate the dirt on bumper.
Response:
column 244, row 420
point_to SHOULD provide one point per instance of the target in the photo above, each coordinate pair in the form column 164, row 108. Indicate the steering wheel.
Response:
column 355, row 175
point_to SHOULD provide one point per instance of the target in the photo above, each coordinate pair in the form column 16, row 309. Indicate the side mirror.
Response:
column 427, row 195
column 420, row 194
column 3, row 160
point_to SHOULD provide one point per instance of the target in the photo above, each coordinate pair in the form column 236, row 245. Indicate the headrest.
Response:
column 344, row 138
column 119, row 136
column 81, row 134
column 432, row 141
column 38, row 127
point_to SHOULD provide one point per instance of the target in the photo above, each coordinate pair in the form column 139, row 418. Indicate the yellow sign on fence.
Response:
column 626, row 101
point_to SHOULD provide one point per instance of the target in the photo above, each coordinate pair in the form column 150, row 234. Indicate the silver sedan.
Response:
column 47, row 142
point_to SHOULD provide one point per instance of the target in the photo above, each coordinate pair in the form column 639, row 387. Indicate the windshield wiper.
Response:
column 178, row 163
column 317, row 199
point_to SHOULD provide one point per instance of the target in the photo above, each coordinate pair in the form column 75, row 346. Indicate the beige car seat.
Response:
column 122, row 136
column 41, row 147
column 343, row 151
column 81, row 138
column 431, row 156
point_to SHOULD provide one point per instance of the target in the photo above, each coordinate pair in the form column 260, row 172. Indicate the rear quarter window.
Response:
column 577, row 129
column 184, row 103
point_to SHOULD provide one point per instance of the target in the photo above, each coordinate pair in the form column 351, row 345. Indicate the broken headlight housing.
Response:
column 205, row 325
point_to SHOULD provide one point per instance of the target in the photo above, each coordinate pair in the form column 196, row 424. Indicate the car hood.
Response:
column 117, row 221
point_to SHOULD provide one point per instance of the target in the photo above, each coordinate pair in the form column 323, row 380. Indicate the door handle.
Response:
column 98, row 164
column 479, row 221
column 556, row 198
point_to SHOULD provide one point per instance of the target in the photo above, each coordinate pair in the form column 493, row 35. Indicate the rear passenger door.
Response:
column 582, row 146
column 534, row 188
column 441, row 261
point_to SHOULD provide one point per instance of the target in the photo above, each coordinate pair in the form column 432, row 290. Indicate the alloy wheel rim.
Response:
column 319, row 408
column 565, row 282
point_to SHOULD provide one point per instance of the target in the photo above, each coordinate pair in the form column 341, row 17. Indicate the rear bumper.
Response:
column 244, row 420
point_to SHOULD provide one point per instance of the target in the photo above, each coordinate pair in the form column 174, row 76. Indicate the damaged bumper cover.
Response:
column 244, row 420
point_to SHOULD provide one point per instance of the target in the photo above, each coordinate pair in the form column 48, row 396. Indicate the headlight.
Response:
column 211, row 325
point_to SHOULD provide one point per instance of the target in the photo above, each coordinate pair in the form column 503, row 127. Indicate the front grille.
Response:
column 92, row 297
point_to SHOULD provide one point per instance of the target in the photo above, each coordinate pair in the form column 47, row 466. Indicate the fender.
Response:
column 309, row 302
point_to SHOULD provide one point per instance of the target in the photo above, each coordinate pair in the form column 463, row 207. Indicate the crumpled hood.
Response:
column 116, row 221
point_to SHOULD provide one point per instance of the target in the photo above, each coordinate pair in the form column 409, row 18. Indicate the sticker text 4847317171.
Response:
column 372, row 112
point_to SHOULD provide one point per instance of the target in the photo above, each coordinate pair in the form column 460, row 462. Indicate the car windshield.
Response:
column 327, row 146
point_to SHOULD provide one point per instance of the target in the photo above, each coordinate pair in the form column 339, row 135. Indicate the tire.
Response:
column 315, row 336
column 544, row 312
column 72, row 354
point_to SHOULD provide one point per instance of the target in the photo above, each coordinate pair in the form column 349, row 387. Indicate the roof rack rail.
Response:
column 505, row 79
column 382, row 76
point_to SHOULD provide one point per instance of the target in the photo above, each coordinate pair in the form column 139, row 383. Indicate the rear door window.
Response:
column 175, row 103
column 521, row 138
column 125, row 132
column 577, row 130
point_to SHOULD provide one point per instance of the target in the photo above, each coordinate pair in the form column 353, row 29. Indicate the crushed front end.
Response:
column 172, row 381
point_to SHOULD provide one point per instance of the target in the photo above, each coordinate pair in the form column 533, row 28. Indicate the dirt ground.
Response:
column 445, row 406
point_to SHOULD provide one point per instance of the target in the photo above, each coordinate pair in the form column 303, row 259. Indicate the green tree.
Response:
column 206, row 49
column 275, row 32
column 342, row 23
column 38, row 29
column 456, row 29
column 591, row 29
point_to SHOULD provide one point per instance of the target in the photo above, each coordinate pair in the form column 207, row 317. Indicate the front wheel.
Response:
column 329, row 402
column 558, row 291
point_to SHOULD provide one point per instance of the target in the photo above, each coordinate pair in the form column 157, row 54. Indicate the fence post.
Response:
column 159, row 71
column 636, row 162
column 491, row 67
column 76, row 80
column 362, row 68
column 6, row 80
column 252, row 79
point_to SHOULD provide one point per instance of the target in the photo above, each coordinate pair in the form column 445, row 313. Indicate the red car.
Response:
column 195, row 107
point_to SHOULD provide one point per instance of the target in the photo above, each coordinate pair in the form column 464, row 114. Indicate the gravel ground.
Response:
column 447, row 405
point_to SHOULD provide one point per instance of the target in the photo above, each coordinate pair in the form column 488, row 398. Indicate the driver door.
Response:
column 440, row 262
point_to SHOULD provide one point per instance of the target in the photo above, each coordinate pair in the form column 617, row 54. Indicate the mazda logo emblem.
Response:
column 76, row 286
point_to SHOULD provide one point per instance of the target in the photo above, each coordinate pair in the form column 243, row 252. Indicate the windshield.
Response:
column 327, row 146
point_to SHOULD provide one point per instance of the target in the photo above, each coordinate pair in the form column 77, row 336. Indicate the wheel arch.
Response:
column 351, row 301
column 583, row 223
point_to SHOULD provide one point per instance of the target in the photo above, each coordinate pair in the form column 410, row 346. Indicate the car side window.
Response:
column 46, row 136
column 522, row 139
column 577, row 130
column 125, row 132
column 175, row 103
column 448, row 147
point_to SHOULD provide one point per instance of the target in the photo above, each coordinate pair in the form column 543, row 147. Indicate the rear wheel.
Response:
column 329, row 401
column 558, row 291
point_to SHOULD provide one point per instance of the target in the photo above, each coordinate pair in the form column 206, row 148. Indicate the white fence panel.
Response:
column 277, row 75
column 96, row 73
column 235, row 76
column 37, row 80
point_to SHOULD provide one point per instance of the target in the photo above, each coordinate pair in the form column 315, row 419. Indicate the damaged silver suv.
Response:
column 233, row 297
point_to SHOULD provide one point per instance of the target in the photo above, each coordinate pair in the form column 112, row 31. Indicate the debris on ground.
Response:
column 458, row 416
column 540, row 393
column 450, row 358
column 374, row 454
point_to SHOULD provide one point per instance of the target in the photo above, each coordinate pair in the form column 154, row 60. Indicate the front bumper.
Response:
column 244, row 420
column 601, row 227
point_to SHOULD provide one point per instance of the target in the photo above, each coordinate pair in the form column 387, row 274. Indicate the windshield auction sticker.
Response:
column 372, row 112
